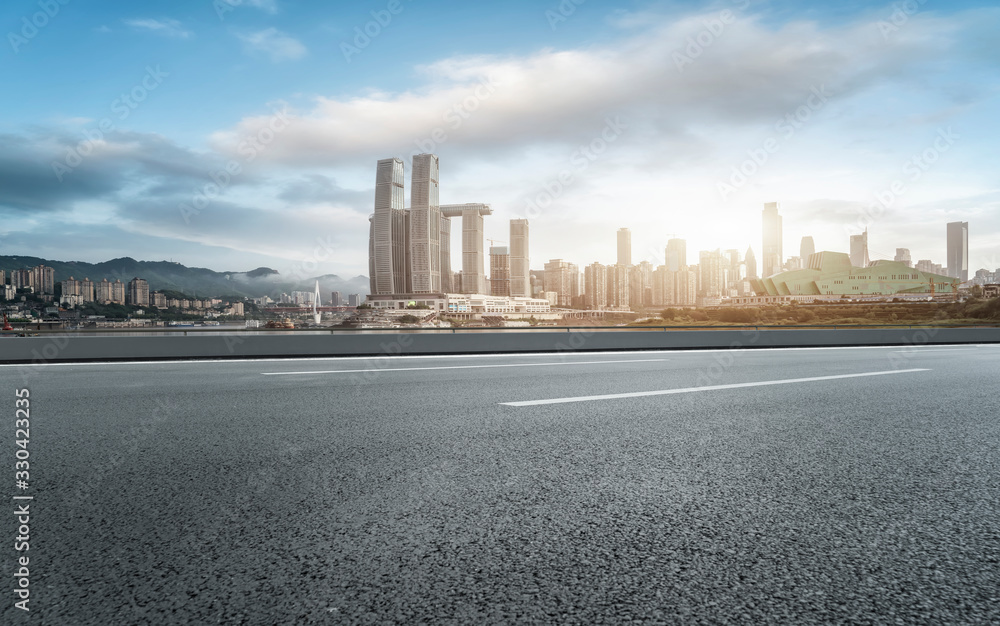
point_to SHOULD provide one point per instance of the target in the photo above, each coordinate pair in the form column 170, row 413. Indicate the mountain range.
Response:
column 192, row 281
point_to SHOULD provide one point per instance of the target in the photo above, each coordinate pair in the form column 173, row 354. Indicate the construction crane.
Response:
column 492, row 241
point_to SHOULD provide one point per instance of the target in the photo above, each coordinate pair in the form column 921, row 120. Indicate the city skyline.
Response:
column 881, row 122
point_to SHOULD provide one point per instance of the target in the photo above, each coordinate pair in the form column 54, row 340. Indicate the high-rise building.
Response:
column 388, row 250
column 674, row 287
column 751, row 263
column 520, row 280
column 80, row 290
column 22, row 279
column 859, row 250
column 595, row 279
column 41, row 278
column 772, row 257
column 473, row 262
column 903, row 256
column 354, row 299
column 618, row 287
column 117, row 290
column 70, row 287
column 676, row 254
column 732, row 272
column 87, row 290
column 102, row 291
column 447, row 284
column 710, row 274
column 138, row 292
column 563, row 278
column 425, row 225
column 624, row 246
column 336, row 299
column 958, row 250
column 409, row 250
column 499, row 271
column 638, row 282
column 644, row 296
column 806, row 248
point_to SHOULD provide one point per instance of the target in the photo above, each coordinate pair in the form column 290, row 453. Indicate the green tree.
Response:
column 669, row 314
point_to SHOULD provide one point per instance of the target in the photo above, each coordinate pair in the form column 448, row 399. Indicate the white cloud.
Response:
column 274, row 43
column 504, row 140
column 688, row 125
column 167, row 27
column 748, row 74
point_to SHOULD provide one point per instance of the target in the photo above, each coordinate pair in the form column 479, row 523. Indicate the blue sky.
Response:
column 671, row 118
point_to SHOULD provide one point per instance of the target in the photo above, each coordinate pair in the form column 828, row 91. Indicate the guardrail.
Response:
column 62, row 347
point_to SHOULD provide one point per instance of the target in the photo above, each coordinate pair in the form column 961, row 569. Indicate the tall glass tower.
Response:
column 387, row 248
column 958, row 250
column 771, row 255
column 425, row 225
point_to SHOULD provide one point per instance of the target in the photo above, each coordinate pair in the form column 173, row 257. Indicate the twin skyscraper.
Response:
column 409, row 250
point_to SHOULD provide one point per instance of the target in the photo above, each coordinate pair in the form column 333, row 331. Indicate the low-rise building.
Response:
column 832, row 274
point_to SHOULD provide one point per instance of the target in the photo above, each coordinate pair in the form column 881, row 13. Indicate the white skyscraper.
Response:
column 624, row 246
column 425, row 225
column 772, row 257
column 388, row 231
column 473, row 258
column 520, row 273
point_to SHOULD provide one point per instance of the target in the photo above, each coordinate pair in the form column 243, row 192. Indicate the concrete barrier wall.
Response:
column 53, row 349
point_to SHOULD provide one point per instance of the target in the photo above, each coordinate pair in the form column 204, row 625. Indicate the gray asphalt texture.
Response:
column 204, row 493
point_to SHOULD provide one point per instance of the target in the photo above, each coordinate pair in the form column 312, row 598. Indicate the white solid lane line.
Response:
column 455, row 367
column 921, row 350
column 664, row 392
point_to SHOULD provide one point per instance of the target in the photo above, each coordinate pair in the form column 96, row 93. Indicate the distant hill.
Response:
column 194, row 281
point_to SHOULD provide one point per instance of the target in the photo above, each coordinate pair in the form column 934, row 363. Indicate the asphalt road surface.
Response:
column 853, row 485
